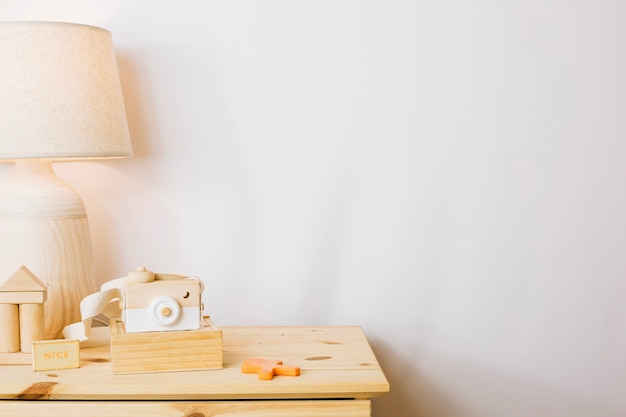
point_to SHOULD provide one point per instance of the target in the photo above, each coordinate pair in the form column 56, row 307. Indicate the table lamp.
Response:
column 60, row 100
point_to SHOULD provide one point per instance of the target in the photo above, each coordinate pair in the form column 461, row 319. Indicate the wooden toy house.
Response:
column 22, row 297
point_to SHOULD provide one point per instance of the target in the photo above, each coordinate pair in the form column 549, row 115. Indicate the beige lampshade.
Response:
column 60, row 94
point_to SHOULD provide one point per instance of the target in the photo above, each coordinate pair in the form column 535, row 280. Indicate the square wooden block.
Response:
column 166, row 351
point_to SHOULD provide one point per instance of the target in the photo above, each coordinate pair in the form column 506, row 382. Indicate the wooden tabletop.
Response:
column 335, row 362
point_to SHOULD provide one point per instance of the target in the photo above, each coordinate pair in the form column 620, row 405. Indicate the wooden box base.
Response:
column 187, row 350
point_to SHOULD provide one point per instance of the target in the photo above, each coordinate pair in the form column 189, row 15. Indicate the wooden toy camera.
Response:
column 161, row 302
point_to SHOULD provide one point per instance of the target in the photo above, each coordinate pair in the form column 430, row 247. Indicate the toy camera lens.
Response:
column 165, row 310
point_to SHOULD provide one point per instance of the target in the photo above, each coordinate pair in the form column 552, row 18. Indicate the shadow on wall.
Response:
column 138, row 102
column 410, row 395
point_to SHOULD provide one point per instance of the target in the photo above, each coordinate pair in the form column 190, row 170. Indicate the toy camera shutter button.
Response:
column 139, row 275
column 165, row 310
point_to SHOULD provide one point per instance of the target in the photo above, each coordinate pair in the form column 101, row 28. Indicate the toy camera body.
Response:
column 163, row 305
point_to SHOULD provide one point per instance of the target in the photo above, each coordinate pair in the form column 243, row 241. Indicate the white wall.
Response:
column 448, row 174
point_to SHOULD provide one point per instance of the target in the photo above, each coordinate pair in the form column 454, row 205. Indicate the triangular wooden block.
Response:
column 23, row 280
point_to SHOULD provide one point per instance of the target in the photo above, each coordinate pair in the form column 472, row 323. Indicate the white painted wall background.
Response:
column 448, row 174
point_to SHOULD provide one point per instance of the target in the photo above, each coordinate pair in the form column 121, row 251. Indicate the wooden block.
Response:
column 17, row 358
column 9, row 328
column 19, row 297
column 24, row 280
column 56, row 354
column 31, row 325
column 184, row 350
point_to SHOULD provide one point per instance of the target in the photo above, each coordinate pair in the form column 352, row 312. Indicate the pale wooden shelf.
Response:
column 339, row 376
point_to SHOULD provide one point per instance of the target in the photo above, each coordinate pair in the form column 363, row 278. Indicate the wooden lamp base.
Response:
column 44, row 227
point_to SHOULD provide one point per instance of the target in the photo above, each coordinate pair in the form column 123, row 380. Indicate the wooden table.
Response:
column 339, row 376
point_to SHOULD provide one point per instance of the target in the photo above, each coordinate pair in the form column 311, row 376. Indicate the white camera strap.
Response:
column 108, row 301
